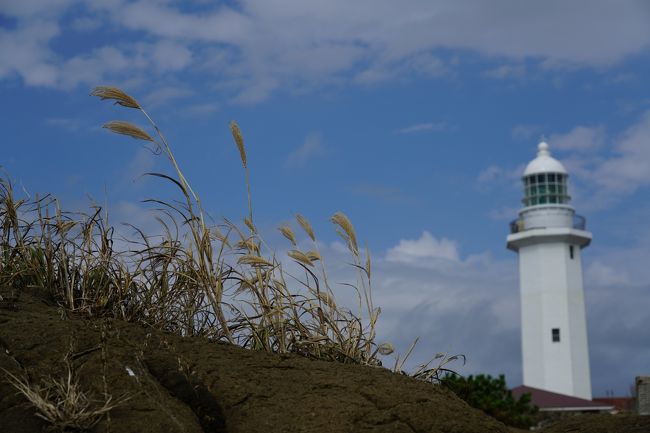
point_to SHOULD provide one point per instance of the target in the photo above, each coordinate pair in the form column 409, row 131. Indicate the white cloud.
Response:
column 525, row 131
column 490, row 174
column 495, row 174
column 203, row 109
column 28, row 8
column 504, row 213
column 628, row 170
column 467, row 305
column 422, row 127
column 170, row 56
column 165, row 95
column 311, row 148
column 293, row 44
column 601, row 179
column 579, row 139
column 418, row 251
column 24, row 53
column 600, row 176
column 507, row 71
column 86, row 24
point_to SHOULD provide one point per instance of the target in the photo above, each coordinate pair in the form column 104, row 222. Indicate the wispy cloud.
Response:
column 383, row 193
column 525, row 131
column 165, row 95
column 495, row 174
column 579, row 139
column 69, row 124
column 507, row 71
column 311, row 148
column 503, row 213
column 422, row 127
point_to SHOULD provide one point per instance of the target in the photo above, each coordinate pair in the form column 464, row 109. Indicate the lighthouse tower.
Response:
column 548, row 237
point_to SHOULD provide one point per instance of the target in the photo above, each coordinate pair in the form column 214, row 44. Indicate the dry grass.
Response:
column 62, row 402
column 219, row 281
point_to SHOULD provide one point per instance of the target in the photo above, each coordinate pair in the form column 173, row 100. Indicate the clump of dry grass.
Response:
column 62, row 402
column 219, row 281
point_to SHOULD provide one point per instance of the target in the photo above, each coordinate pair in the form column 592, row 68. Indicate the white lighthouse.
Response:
column 548, row 237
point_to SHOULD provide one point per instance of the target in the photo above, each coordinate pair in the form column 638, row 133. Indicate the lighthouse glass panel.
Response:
column 545, row 188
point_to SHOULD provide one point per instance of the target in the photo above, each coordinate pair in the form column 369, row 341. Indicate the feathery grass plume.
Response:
column 239, row 140
column 288, row 233
column 368, row 262
column 249, row 245
column 347, row 231
column 304, row 223
column 254, row 261
column 249, row 223
column 126, row 128
column 328, row 300
column 300, row 257
column 314, row 256
column 118, row 95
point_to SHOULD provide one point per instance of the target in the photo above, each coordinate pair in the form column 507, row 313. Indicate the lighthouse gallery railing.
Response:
column 579, row 223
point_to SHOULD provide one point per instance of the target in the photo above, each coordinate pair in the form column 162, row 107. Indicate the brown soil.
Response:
column 193, row 385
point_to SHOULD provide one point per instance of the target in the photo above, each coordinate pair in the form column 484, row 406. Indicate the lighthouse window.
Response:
column 545, row 188
column 555, row 334
column 571, row 251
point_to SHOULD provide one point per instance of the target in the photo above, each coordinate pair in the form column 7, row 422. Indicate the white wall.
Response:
column 552, row 297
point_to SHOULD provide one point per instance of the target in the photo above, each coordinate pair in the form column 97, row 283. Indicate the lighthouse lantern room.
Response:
column 548, row 237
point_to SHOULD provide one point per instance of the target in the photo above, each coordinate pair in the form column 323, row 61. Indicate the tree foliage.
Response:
column 493, row 397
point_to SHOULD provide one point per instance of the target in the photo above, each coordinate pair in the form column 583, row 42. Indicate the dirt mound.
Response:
column 192, row 385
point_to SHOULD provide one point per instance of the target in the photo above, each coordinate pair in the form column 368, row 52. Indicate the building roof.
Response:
column 544, row 163
column 552, row 401
column 620, row 403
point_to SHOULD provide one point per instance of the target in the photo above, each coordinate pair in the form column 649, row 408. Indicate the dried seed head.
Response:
column 327, row 300
column 118, row 95
column 347, row 231
column 126, row 128
column 254, row 261
column 306, row 226
column 300, row 257
column 248, row 244
column 386, row 349
column 236, row 134
column 368, row 262
column 313, row 255
column 288, row 233
column 250, row 225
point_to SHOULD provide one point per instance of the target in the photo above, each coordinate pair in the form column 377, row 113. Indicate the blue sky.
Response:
column 415, row 118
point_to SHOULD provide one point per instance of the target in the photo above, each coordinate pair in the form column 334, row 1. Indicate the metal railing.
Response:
column 516, row 226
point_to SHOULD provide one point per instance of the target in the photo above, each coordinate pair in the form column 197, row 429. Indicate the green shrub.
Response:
column 493, row 397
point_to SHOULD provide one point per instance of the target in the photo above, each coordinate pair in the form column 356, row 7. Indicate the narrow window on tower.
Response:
column 555, row 333
column 571, row 251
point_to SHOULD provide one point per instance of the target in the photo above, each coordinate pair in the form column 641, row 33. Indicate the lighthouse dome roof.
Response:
column 544, row 163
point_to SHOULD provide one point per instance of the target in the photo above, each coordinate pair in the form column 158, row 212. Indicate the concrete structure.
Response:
column 548, row 237
column 643, row 395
